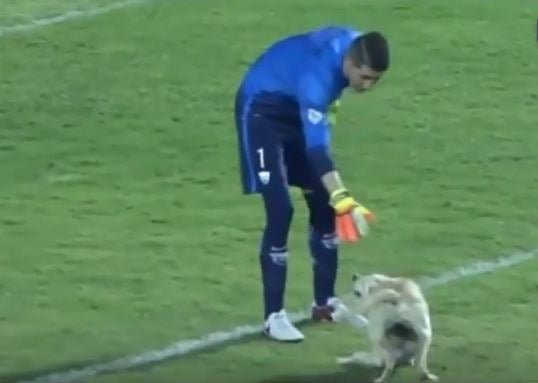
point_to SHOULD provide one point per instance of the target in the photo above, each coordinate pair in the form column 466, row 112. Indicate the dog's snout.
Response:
column 354, row 277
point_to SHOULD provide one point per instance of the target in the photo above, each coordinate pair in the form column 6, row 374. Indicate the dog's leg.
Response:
column 347, row 359
column 388, row 370
column 424, row 343
column 342, row 313
column 363, row 358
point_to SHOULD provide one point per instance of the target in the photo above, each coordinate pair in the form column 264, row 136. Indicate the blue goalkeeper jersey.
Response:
column 298, row 78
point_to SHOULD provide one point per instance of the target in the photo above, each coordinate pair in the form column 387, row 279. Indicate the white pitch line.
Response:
column 38, row 23
column 217, row 338
column 185, row 347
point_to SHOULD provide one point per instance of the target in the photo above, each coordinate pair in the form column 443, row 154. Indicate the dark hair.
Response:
column 371, row 49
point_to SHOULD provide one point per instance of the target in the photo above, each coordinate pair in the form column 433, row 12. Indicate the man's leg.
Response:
column 322, row 238
column 274, row 246
column 323, row 242
column 262, row 167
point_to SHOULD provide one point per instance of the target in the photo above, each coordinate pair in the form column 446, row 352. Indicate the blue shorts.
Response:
column 271, row 146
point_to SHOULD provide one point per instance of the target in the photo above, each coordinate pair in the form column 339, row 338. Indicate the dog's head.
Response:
column 364, row 285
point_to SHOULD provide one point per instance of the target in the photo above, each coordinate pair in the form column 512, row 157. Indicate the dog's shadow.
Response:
column 350, row 373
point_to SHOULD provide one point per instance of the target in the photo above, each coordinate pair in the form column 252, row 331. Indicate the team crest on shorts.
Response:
column 264, row 176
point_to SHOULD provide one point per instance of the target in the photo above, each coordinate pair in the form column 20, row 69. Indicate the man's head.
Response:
column 366, row 60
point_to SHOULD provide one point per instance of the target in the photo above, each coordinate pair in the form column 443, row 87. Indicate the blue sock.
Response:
column 324, row 251
column 274, row 251
column 274, row 272
column 323, row 244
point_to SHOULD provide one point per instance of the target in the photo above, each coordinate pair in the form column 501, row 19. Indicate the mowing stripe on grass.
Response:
column 38, row 23
column 184, row 347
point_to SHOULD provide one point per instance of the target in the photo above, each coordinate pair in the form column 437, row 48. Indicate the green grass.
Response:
column 122, row 226
column 25, row 11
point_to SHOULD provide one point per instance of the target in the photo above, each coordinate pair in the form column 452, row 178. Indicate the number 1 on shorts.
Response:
column 262, row 158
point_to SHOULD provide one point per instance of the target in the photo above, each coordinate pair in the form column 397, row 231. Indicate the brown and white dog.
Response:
column 399, row 326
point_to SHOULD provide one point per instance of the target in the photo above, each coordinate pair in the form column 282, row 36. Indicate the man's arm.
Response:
column 332, row 182
column 317, row 131
column 316, row 121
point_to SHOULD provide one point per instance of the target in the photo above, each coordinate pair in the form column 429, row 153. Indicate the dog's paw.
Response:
column 363, row 358
column 429, row 377
column 381, row 379
column 351, row 359
column 344, row 360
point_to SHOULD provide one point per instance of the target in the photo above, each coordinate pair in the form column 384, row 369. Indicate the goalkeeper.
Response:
column 284, row 112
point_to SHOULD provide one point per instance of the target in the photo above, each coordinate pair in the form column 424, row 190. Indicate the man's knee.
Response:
column 279, row 208
column 281, row 215
column 322, row 218
column 324, row 224
column 287, row 212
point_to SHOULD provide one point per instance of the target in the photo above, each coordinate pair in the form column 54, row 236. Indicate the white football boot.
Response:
column 278, row 327
column 336, row 311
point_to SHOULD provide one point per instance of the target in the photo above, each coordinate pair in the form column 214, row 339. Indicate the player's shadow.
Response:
column 345, row 374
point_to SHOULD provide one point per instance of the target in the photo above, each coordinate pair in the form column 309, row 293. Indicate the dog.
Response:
column 398, row 324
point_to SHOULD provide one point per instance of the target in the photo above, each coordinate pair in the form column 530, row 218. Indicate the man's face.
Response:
column 362, row 78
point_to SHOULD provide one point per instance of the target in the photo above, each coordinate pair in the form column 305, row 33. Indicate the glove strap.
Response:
column 338, row 195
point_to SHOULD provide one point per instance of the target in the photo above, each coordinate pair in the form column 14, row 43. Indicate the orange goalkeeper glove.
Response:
column 352, row 218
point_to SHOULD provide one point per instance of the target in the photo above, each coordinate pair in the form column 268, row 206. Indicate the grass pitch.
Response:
column 122, row 226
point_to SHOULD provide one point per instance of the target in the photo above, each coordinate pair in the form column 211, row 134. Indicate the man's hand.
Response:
column 352, row 219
